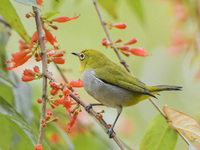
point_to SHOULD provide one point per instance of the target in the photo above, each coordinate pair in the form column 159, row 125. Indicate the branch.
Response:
column 44, row 70
column 124, row 63
column 109, row 38
column 92, row 112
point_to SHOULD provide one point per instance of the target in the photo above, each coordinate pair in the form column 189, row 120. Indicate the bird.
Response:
column 112, row 85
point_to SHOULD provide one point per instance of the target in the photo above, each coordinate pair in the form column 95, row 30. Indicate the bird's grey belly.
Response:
column 105, row 93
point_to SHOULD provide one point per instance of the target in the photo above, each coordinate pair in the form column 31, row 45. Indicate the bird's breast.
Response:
column 105, row 93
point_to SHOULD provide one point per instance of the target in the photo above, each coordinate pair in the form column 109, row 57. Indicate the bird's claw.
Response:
column 88, row 107
column 110, row 132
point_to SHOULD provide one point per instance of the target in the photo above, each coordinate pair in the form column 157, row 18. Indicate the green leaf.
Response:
column 159, row 136
column 18, row 122
column 28, row 2
column 3, row 41
column 50, row 14
column 109, row 6
column 191, row 147
column 6, row 139
column 10, row 15
column 136, row 7
column 22, row 95
column 65, row 137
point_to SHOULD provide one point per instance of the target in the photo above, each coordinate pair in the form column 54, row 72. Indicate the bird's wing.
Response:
column 117, row 76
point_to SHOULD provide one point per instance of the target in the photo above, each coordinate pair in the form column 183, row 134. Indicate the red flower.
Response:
column 23, row 46
column 58, row 60
column 56, row 119
column 121, row 25
column 64, row 18
column 77, row 83
column 105, row 42
column 68, row 102
column 59, row 101
column 39, row 2
column 72, row 121
column 66, row 91
column 19, row 59
column 123, row 47
column 131, row 41
column 119, row 40
column 55, row 27
column 38, row 147
column 126, row 53
column 36, row 69
column 139, row 51
column 50, row 37
column 51, row 52
column 34, row 38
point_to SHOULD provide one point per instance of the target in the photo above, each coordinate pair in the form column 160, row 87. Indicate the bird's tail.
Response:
column 159, row 88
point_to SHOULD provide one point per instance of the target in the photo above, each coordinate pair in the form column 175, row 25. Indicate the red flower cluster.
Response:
column 29, row 75
column 47, row 119
column 19, row 59
column 126, row 50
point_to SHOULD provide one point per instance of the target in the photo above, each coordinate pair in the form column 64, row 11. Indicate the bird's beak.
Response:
column 74, row 53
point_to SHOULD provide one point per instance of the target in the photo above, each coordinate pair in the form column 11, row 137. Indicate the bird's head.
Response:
column 91, row 59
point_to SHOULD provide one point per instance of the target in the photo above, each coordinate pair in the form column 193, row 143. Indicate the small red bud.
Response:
column 121, row 25
column 49, row 113
column 99, row 116
column 39, row 100
column 28, row 15
column 56, row 119
column 131, row 41
column 123, row 47
column 44, row 125
column 55, row 27
column 119, row 40
column 47, row 117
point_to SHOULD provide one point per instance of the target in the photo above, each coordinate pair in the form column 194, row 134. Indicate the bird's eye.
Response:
column 82, row 56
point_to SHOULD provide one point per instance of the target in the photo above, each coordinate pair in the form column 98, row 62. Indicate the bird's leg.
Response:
column 110, row 130
column 89, row 106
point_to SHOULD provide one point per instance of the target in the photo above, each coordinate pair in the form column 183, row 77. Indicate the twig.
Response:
column 124, row 63
column 92, row 112
column 108, row 35
column 44, row 70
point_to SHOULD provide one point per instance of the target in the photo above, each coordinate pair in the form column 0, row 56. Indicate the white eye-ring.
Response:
column 82, row 56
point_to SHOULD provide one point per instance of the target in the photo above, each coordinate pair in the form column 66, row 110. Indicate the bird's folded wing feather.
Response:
column 117, row 76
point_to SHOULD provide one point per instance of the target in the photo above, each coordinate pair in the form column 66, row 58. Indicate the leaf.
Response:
column 159, row 136
column 10, row 15
column 109, row 6
column 184, row 123
column 22, row 96
column 191, row 147
column 18, row 122
column 3, row 41
column 137, row 8
column 67, row 140
column 50, row 14
column 28, row 2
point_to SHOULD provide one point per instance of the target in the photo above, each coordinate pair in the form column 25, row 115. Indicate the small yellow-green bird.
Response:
column 112, row 85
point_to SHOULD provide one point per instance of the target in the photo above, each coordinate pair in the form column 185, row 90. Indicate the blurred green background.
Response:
column 153, row 33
